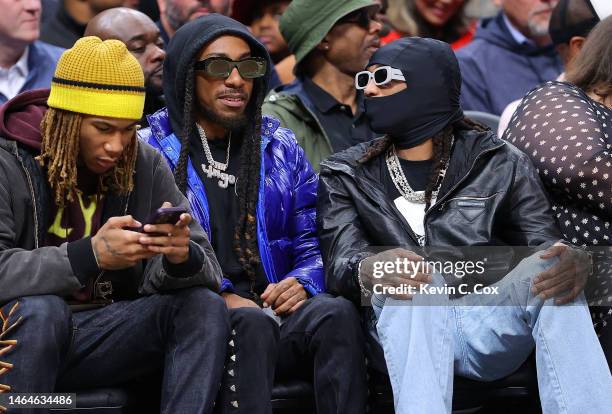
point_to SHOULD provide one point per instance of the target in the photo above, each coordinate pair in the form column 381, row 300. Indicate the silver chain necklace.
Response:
column 216, row 169
column 401, row 183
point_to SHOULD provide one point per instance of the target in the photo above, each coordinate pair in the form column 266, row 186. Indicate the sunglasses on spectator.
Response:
column 361, row 17
column 381, row 76
column 222, row 67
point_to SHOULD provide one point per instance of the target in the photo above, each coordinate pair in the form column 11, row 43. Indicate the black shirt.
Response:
column 342, row 127
column 417, row 174
column 223, row 210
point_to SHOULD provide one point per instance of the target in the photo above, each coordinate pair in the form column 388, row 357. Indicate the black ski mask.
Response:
column 431, row 100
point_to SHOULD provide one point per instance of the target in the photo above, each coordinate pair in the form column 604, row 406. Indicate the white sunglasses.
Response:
column 381, row 76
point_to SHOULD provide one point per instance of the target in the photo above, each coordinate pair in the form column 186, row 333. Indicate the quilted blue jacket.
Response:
column 286, row 222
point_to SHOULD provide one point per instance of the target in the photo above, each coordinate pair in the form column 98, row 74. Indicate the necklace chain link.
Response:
column 209, row 158
column 216, row 169
column 401, row 183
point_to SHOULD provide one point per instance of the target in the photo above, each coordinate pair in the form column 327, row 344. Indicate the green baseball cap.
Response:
column 306, row 22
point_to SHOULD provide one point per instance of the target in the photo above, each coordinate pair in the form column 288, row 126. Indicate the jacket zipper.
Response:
column 97, row 279
column 456, row 185
column 29, row 178
column 464, row 198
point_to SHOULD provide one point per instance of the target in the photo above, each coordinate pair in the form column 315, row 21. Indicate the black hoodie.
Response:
column 186, row 44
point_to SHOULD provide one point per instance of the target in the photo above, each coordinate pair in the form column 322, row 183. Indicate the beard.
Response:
column 177, row 17
column 539, row 20
column 153, row 88
column 537, row 28
column 231, row 123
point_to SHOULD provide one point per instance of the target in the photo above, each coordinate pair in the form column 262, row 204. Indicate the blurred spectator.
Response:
column 263, row 17
column 566, row 129
column 143, row 40
column 510, row 54
column 387, row 34
column 49, row 8
column 439, row 19
column 150, row 8
column 332, row 41
column 25, row 62
column 71, row 17
column 175, row 13
column 570, row 24
column 479, row 9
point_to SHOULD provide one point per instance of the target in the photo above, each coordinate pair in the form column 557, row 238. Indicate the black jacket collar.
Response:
column 468, row 147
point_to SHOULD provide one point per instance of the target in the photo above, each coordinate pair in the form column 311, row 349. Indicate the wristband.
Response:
column 361, row 285
column 95, row 254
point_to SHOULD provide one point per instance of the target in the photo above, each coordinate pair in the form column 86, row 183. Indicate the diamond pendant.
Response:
column 224, row 179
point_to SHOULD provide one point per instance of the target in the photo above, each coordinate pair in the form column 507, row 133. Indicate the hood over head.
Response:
column 20, row 117
column 183, row 49
column 430, row 101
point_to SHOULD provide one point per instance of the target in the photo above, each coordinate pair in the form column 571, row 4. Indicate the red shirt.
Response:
column 456, row 45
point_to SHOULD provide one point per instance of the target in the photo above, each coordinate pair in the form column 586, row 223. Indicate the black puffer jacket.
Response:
column 491, row 196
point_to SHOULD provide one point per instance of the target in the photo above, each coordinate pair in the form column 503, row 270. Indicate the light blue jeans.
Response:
column 486, row 337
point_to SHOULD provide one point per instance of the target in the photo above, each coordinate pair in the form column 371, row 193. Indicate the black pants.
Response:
column 184, row 334
column 321, row 342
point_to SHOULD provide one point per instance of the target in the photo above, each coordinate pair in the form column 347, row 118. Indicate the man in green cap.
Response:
column 322, row 106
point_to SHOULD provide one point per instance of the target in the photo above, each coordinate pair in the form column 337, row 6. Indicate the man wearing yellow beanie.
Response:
column 74, row 184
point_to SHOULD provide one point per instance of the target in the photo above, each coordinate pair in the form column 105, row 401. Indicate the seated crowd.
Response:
column 214, row 202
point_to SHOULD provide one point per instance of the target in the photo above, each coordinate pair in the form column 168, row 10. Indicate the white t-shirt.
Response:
column 414, row 213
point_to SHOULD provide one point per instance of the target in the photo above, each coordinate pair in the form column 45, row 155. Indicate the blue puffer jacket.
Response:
column 286, row 226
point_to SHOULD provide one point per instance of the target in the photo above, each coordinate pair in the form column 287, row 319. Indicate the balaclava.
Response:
column 431, row 100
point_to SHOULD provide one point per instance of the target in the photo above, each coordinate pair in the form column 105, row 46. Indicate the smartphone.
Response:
column 168, row 215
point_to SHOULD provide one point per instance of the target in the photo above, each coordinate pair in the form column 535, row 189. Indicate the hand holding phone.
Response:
column 164, row 215
column 167, row 232
column 115, row 248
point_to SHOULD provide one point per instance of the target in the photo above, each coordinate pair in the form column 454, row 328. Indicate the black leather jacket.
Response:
column 491, row 196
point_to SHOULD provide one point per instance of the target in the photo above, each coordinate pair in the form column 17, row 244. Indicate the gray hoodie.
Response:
column 28, row 267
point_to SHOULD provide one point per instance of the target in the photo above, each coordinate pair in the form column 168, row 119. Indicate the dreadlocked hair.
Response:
column 59, row 153
column 442, row 146
column 441, row 142
column 180, row 173
column 247, row 182
column 378, row 147
column 467, row 124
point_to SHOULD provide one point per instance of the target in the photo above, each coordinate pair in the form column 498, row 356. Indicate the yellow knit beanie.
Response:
column 100, row 78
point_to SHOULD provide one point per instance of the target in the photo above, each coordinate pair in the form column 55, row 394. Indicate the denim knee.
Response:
column 531, row 266
column 339, row 311
column 201, row 307
column 254, row 323
column 46, row 322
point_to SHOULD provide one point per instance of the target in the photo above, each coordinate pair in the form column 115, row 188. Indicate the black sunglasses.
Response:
column 222, row 67
column 361, row 17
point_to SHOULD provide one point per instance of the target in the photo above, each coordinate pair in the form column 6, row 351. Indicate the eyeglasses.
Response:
column 359, row 17
column 221, row 67
column 381, row 76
